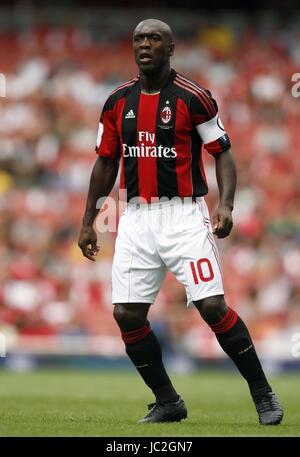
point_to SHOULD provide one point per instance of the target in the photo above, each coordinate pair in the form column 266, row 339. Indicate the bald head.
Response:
column 153, row 46
column 149, row 25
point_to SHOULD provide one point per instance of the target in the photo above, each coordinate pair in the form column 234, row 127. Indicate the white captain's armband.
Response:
column 211, row 130
column 213, row 135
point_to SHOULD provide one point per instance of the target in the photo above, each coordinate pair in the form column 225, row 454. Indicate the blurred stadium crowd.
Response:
column 57, row 80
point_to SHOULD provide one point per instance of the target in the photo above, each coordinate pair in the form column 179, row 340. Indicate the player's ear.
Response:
column 171, row 49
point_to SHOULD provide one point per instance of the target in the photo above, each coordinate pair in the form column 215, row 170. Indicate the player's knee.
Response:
column 121, row 314
column 212, row 309
column 128, row 319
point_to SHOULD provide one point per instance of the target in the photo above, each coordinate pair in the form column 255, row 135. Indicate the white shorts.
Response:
column 173, row 235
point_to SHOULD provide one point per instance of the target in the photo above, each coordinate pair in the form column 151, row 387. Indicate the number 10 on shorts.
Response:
column 202, row 270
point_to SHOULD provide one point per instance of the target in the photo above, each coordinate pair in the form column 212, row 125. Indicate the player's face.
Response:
column 151, row 48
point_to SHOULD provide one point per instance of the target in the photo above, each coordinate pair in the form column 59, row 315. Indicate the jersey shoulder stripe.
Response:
column 205, row 92
column 120, row 92
column 202, row 94
column 122, row 86
column 193, row 92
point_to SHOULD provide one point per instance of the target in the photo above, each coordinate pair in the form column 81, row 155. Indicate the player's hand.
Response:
column 222, row 221
column 88, row 242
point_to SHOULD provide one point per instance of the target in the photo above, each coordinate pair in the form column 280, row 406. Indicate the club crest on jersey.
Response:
column 166, row 114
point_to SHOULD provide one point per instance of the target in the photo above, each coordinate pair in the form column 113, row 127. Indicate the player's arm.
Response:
column 205, row 117
column 102, row 180
column 226, row 178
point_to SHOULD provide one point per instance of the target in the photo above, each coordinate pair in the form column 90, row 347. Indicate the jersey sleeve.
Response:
column 205, row 118
column 108, row 141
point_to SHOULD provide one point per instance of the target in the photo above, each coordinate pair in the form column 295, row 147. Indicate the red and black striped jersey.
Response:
column 159, row 137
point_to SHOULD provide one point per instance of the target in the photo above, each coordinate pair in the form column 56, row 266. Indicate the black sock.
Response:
column 145, row 352
column 235, row 340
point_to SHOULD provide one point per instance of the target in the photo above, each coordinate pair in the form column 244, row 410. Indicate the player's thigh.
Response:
column 194, row 259
column 199, row 269
column 138, row 270
column 132, row 283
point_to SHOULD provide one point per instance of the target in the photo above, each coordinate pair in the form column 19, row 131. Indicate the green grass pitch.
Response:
column 72, row 403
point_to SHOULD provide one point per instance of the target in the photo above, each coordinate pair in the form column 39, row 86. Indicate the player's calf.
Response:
column 234, row 338
column 143, row 349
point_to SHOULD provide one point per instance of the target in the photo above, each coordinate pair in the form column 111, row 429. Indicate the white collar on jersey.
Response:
column 147, row 93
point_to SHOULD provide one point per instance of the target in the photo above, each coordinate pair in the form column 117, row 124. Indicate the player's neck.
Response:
column 153, row 83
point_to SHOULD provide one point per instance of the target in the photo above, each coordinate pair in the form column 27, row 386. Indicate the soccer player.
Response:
column 155, row 125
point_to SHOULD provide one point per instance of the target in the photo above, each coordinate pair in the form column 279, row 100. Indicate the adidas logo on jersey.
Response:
column 130, row 115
